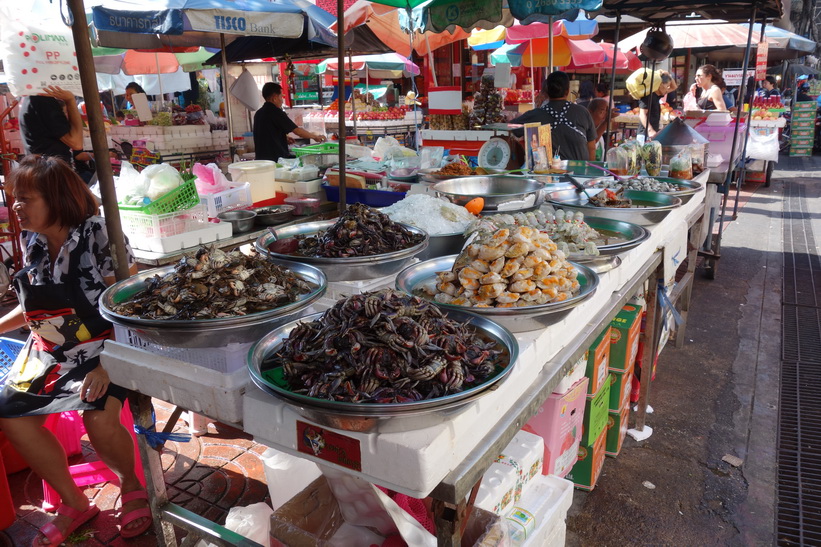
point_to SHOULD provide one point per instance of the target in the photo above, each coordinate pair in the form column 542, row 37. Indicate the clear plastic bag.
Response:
column 634, row 163
column 618, row 160
column 681, row 166
column 651, row 154
column 162, row 178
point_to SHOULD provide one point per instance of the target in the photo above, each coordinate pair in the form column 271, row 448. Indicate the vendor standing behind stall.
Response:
column 650, row 105
column 571, row 126
column 272, row 125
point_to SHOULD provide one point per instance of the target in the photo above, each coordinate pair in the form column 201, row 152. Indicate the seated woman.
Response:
column 67, row 265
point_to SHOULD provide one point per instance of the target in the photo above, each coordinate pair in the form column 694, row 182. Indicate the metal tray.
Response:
column 205, row 333
column 520, row 319
column 648, row 207
column 632, row 234
column 280, row 214
column 496, row 190
column 342, row 269
column 690, row 188
column 367, row 417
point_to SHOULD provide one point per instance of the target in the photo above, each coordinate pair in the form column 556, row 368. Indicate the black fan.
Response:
column 657, row 45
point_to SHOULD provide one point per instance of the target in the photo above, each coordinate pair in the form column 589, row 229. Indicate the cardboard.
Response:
column 620, row 387
column 616, row 431
column 589, row 464
column 624, row 337
column 595, row 414
column 598, row 359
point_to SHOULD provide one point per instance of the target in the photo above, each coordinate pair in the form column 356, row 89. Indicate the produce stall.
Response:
column 445, row 456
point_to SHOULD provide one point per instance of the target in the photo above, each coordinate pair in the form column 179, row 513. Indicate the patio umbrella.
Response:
column 625, row 61
column 132, row 61
column 785, row 39
column 704, row 36
column 379, row 67
column 535, row 53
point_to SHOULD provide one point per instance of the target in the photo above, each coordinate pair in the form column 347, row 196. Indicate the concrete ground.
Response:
column 717, row 395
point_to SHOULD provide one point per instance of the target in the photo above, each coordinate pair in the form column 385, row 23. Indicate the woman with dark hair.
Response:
column 67, row 266
column 709, row 79
column 131, row 89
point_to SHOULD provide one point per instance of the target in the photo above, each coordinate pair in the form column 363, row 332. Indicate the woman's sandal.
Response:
column 53, row 534
column 131, row 516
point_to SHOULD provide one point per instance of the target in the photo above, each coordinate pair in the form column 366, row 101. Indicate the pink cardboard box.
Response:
column 559, row 423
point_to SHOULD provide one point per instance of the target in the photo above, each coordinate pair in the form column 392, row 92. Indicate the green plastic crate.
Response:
column 182, row 197
column 323, row 148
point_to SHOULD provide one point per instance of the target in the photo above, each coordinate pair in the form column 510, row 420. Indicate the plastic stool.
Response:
column 92, row 472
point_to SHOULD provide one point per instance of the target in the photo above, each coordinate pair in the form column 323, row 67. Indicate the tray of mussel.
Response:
column 213, row 298
column 382, row 360
column 682, row 189
column 363, row 243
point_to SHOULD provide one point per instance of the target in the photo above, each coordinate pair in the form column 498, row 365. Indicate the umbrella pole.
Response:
column 353, row 101
column 159, row 79
column 550, row 44
column 612, row 84
column 532, row 76
column 88, row 79
column 232, row 149
column 340, row 54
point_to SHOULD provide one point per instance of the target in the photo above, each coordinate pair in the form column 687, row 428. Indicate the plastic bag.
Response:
column 690, row 102
column 651, row 153
column 681, row 166
column 210, row 179
column 618, row 160
column 131, row 187
column 286, row 475
column 638, row 83
column 383, row 145
column 252, row 521
column 162, row 178
column 763, row 146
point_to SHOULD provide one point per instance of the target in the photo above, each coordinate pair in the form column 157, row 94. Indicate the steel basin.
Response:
column 206, row 333
column 689, row 188
column 384, row 417
column 342, row 269
column 649, row 207
column 496, row 190
column 519, row 319
column 443, row 245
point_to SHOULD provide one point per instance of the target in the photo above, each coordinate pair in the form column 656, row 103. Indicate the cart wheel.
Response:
column 768, row 177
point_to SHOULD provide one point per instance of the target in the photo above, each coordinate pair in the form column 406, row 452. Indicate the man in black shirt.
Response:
column 47, row 128
column 571, row 126
column 272, row 125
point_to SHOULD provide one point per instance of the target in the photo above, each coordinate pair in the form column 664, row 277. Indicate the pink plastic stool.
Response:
column 89, row 472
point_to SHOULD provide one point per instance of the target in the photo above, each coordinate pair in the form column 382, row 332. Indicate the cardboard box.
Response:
column 616, row 431
column 804, row 114
column 624, row 337
column 595, row 414
column 589, row 464
column 598, row 358
column 312, row 517
column 802, row 152
column 802, row 124
column 804, row 106
column 803, row 133
column 620, row 388
column 755, row 176
column 559, row 423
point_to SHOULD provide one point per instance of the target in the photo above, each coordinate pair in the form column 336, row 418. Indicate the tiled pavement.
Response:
column 208, row 475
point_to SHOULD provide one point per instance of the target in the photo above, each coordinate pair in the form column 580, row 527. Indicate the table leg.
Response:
column 451, row 519
column 650, row 338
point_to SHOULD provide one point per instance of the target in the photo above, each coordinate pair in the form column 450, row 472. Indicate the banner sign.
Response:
column 275, row 24
column 525, row 10
column 167, row 21
column 732, row 77
column 761, row 60
column 463, row 14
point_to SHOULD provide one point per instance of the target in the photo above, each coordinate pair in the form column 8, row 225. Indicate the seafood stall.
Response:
column 435, row 433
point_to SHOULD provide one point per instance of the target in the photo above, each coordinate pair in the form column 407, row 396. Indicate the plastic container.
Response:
column 304, row 206
column 374, row 198
column 542, row 508
column 261, row 174
column 233, row 198
column 316, row 149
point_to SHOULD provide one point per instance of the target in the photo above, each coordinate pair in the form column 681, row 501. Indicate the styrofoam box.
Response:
column 573, row 375
column 209, row 233
column 542, row 508
column 203, row 390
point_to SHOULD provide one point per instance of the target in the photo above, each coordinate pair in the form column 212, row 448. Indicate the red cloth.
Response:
column 415, row 508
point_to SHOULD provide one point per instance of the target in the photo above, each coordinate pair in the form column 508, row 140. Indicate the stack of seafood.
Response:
column 360, row 231
column 384, row 347
column 566, row 229
column 214, row 284
column 515, row 266
column 647, row 184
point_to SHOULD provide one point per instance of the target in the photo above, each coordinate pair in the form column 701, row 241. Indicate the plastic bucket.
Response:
column 261, row 174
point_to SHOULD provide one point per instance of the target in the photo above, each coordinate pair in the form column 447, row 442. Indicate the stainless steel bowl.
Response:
column 206, row 333
column 342, row 269
column 241, row 220
column 382, row 417
column 274, row 214
column 412, row 279
column 443, row 245
column 496, row 190
column 626, row 235
column 648, row 207
column 688, row 187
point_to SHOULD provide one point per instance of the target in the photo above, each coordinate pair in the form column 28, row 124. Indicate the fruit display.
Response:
column 768, row 103
column 383, row 113
column 488, row 105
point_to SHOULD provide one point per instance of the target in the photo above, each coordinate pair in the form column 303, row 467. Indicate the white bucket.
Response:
column 260, row 174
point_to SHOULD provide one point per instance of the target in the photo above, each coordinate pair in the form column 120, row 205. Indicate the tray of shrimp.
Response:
column 516, row 276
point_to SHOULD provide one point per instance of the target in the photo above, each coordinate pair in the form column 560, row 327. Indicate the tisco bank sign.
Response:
column 282, row 25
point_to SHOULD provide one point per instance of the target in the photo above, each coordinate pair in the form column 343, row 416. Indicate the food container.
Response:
column 498, row 191
column 412, row 279
column 678, row 136
column 648, row 207
column 353, row 268
column 687, row 188
column 241, row 220
column 260, row 174
column 380, row 416
column 303, row 206
column 202, row 333
column 274, row 214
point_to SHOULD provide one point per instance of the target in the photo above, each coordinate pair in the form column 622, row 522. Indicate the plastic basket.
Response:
column 316, row 149
column 182, row 197
column 374, row 198
column 9, row 350
column 137, row 224
column 233, row 198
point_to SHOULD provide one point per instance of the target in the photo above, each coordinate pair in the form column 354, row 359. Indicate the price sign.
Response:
column 761, row 60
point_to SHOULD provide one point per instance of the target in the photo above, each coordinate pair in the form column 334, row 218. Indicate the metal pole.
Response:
column 550, row 44
column 232, row 149
column 612, row 85
column 731, row 167
column 340, row 54
column 88, row 79
column 353, row 101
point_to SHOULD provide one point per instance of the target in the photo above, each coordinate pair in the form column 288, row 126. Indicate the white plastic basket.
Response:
column 226, row 359
column 233, row 198
column 169, row 224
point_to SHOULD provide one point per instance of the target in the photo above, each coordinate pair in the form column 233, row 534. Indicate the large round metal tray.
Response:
column 519, row 319
column 206, row 333
column 384, row 417
column 648, row 207
column 628, row 235
column 690, row 188
column 496, row 190
column 342, row 269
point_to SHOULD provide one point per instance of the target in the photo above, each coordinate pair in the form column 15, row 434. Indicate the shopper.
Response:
column 599, row 111
column 586, row 93
column 768, row 88
column 650, row 105
column 131, row 89
column 272, row 126
column 709, row 79
column 571, row 126
column 50, row 124
column 67, row 265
